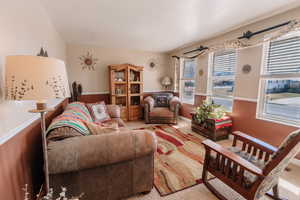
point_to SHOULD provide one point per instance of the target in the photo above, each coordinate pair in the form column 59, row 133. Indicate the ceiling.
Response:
column 153, row 25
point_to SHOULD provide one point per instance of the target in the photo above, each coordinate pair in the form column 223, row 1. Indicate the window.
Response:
column 187, row 91
column 279, row 98
column 221, row 78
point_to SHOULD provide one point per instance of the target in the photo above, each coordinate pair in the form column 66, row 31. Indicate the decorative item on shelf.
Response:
column 166, row 82
column 134, row 76
column 88, row 61
column 50, row 195
column 76, row 91
column 135, row 89
column 28, row 78
column 43, row 53
column 119, row 91
column 120, row 76
column 246, row 69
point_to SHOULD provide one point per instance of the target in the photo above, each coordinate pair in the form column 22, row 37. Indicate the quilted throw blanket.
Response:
column 74, row 116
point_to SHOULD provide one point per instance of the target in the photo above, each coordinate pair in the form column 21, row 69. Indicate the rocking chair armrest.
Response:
column 255, row 142
column 233, row 157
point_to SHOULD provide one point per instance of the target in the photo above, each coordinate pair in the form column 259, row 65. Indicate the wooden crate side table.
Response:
column 213, row 129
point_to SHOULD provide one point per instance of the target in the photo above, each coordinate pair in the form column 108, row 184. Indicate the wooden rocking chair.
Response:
column 251, row 167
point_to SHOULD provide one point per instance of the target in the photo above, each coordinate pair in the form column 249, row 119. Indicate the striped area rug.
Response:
column 178, row 160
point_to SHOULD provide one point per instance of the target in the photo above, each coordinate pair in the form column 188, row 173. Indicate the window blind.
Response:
column 284, row 56
column 189, row 69
column 224, row 63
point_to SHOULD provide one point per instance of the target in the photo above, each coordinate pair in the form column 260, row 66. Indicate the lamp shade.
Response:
column 35, row 78
column 166, row 81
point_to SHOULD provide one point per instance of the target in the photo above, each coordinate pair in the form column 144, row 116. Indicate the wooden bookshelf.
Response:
column 126, row 89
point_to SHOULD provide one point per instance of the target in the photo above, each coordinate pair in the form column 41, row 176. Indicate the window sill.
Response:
column 278, row 121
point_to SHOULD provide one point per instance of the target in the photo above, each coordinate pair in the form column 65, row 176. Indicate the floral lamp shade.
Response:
column 166, row 81
column 35, row 78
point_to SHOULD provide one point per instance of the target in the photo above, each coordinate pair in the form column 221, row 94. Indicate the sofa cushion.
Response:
column 161, row 112
column 98, row 111
column 119, row 121
column 62, row 133
column 96, row 129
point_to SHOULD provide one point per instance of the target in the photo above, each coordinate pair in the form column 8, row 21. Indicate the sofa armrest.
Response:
column 86, row 152
column 174, row 102
column 114, row 111
column 150, row 102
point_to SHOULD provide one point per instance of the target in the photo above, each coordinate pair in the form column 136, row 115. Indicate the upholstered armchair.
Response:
column 161, row 108
column 251, row 167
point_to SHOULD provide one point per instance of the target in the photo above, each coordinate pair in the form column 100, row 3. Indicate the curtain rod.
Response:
column 201, row 48
column 247, row 35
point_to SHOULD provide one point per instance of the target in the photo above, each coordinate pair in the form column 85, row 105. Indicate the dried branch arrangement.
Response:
column 49, row 196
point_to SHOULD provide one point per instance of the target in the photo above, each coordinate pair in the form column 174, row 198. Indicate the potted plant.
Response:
column 209, row 120
column 209, row 110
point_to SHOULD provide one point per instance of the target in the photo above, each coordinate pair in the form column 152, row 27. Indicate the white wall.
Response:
column 98, row 80
column 24, row 29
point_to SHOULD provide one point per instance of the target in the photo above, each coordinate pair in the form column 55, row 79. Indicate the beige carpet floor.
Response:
column 289, row 184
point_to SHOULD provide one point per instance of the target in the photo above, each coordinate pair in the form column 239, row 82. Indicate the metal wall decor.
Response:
column 152, row 63
column 246, row 69
column 88, row 61
column 200, row 72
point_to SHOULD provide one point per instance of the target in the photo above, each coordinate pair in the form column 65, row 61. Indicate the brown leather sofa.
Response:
column 161, row 108
column 108, row 166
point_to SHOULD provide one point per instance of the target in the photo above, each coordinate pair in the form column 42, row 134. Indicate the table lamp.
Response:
column 40, row 79
column 166, row 82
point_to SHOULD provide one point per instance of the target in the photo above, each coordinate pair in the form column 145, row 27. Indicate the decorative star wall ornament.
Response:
column 153, row 63
column 88, row 62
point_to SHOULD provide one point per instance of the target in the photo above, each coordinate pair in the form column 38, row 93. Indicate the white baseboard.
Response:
column 185, row 119
column 296, row 162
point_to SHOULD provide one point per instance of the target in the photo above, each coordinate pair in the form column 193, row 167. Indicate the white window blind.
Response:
column 280, row 81
column 224, row 63
column 187, row 81
column 284, row 56
column 222, row 78
column 189, row 69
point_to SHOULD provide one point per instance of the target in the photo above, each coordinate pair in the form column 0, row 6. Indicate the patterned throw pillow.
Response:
column 162, row 99
column 98, row 111
column 96, row 129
